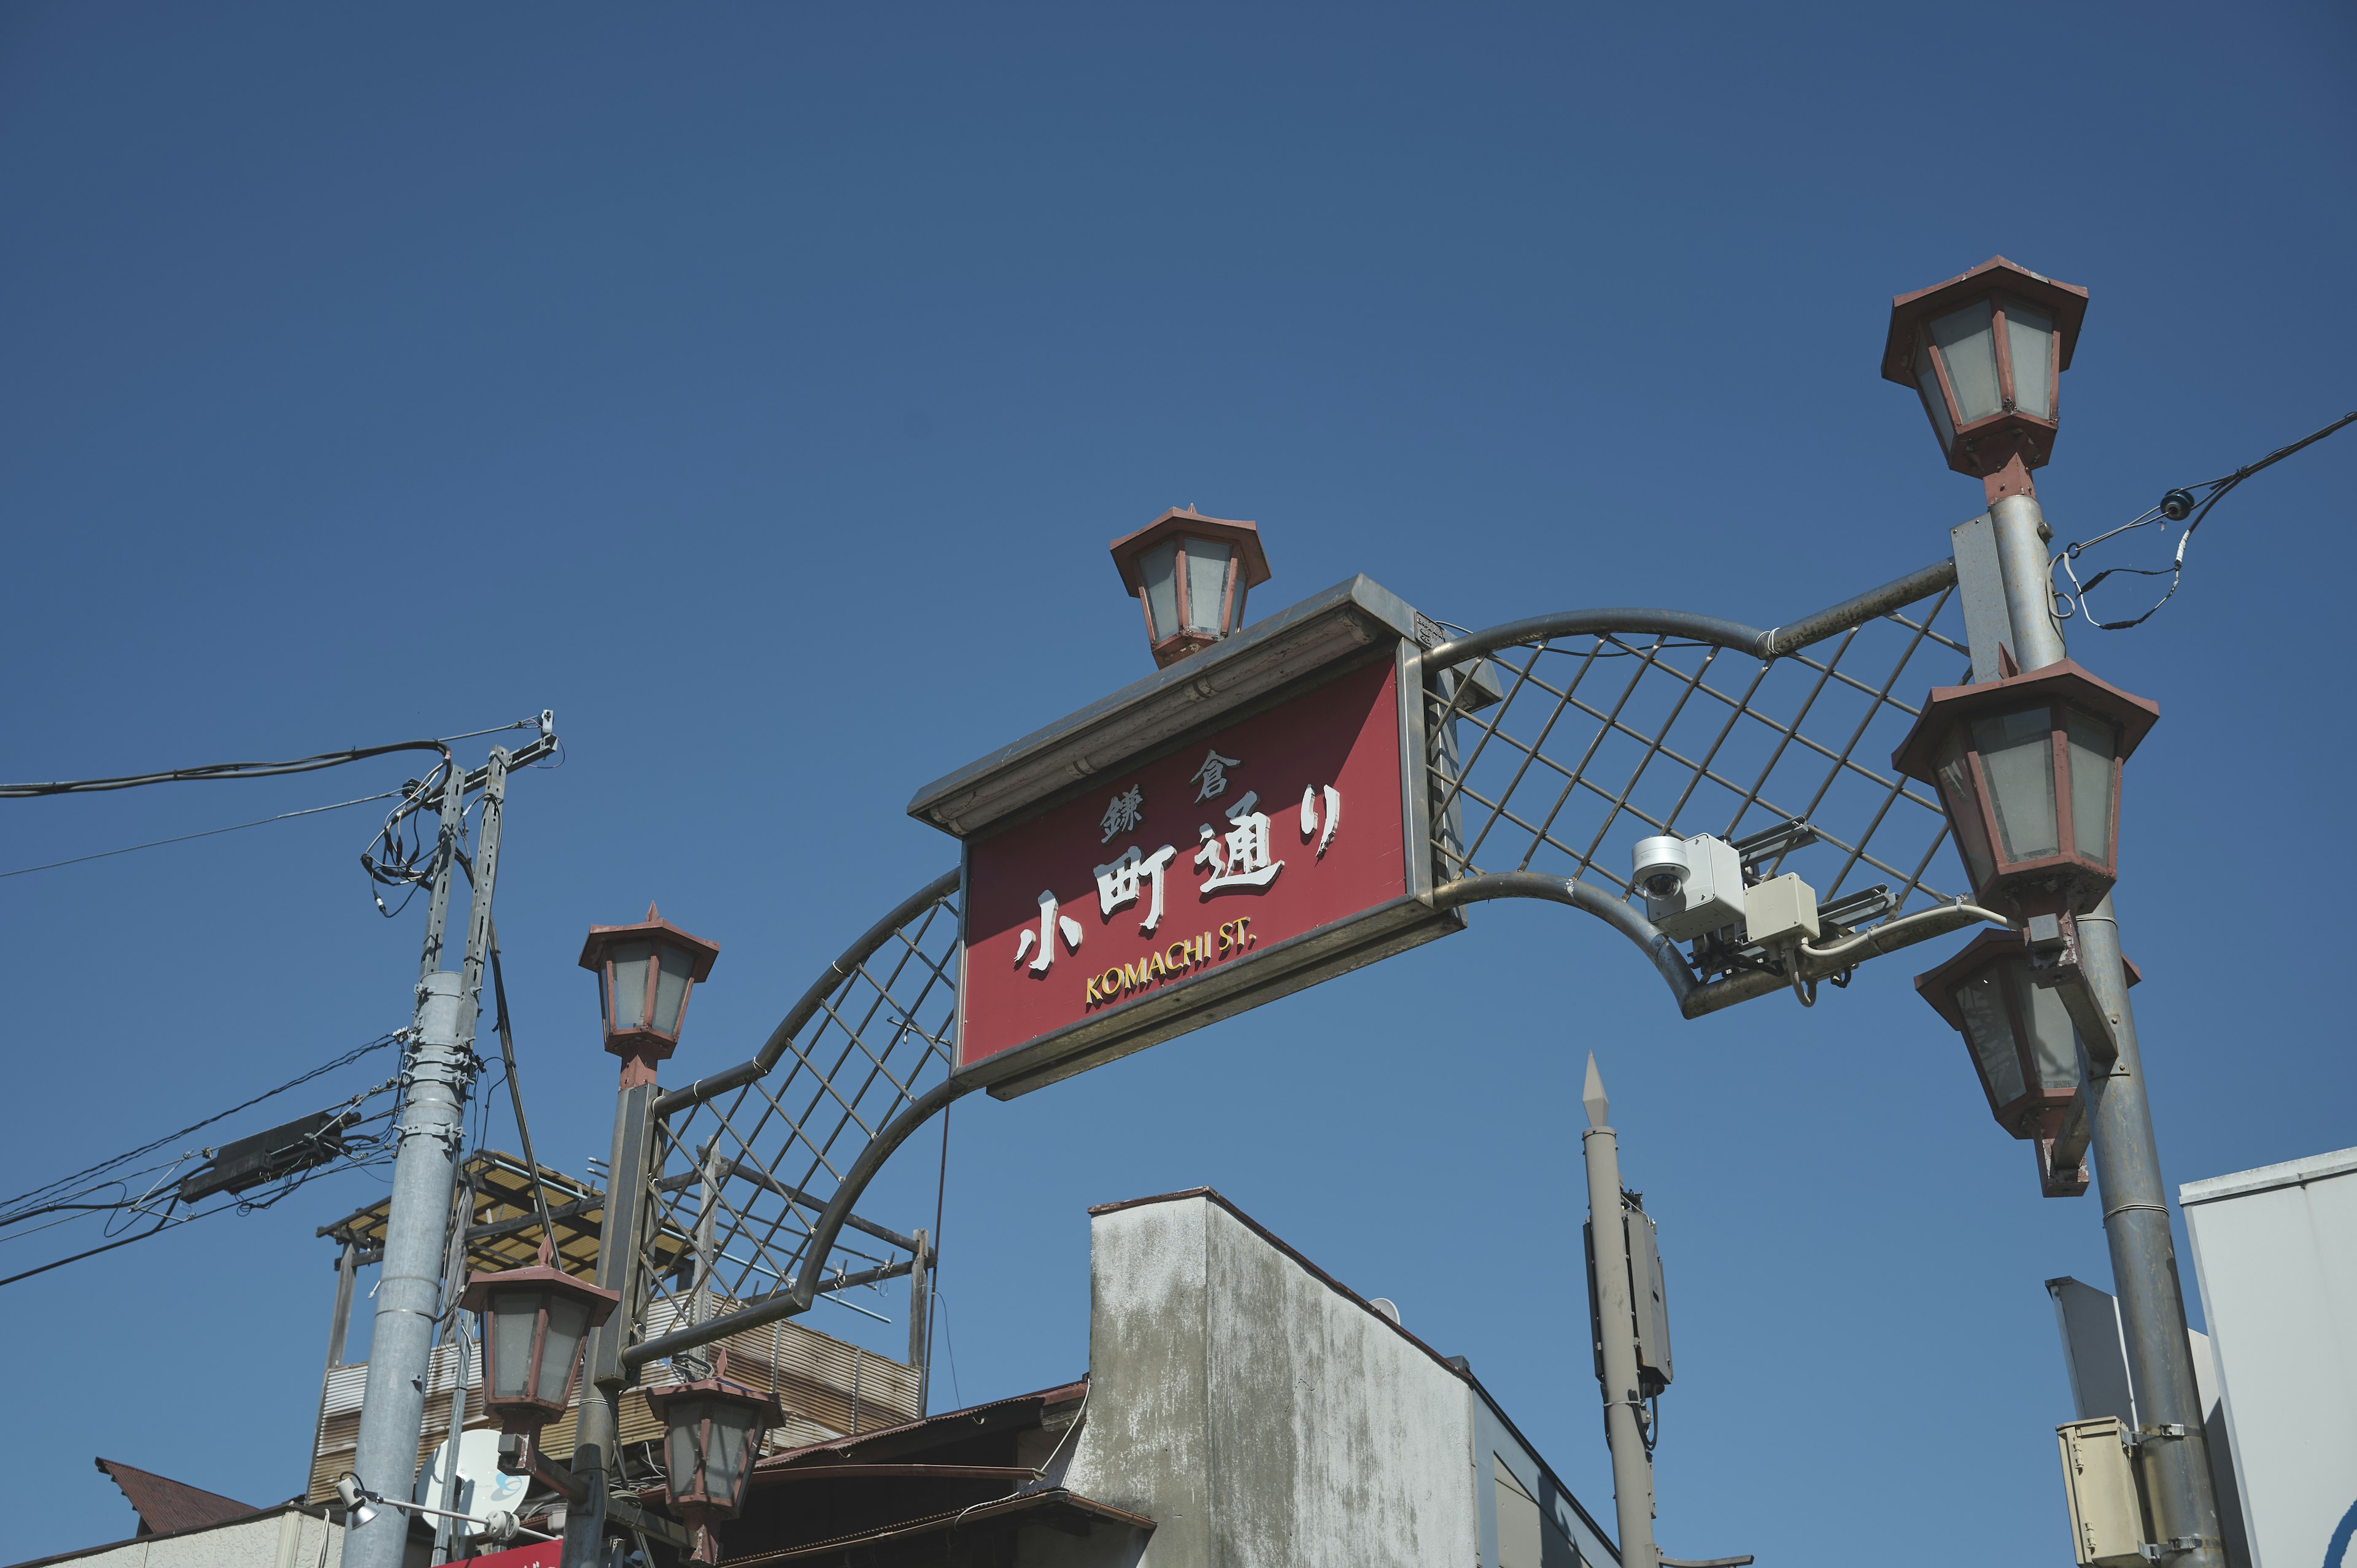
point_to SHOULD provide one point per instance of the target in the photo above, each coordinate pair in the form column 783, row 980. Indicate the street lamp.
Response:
column 2028, row 769
column 2024, row 1046
column 712, row 1433
column 1190, row 573
column 536, row 1321
column 644, row 974
column 1985, row 353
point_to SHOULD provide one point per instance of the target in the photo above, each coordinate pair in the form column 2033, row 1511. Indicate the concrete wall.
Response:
column 1259, row 1415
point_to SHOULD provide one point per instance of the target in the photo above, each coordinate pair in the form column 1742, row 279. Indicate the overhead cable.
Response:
column 216, row 770
column 2189, row 504
column 208, row 833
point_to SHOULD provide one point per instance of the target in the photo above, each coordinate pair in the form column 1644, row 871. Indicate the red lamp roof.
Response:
column 593, row 951
column 1130, row 547
column 2065, row 680
column 2067, row 301
column 479, row 1286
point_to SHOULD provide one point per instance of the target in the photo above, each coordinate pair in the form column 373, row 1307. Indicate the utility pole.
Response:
column 1632, row 1468
column 2173, row 1447
column 436, row 1070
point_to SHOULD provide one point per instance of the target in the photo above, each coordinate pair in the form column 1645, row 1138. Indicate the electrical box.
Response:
column 1651, row 1299
column 1710, row 897
column 1646, row 1296
column 1780, row 909
column 2100, row 1480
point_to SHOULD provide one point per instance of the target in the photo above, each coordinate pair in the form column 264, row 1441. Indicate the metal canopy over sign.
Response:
column 1249, row 821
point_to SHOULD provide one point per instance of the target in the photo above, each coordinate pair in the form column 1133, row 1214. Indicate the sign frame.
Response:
column 1282, row 660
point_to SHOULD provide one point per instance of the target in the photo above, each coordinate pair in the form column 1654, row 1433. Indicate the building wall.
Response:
column 1258, row 1414
column 282, row 1540
column 2275, row 1251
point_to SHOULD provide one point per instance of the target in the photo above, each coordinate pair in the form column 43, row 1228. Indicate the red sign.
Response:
column 1167, row 876
column 538, row 1554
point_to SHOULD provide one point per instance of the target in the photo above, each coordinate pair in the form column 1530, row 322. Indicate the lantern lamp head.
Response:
column 712, row 1435
column 1190, row 573
column 536, row 1321
column 2024, row 1049
column 644, row 974
column 2027, row 770
column 1986, row 352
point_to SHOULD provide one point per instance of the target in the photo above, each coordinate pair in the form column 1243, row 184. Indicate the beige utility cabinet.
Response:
column 2099, row 1478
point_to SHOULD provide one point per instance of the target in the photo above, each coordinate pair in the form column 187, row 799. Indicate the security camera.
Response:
column 1662, row 865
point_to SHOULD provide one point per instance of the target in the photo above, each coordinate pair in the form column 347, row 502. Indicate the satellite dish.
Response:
column 1382, row 1305
column 482, row 1484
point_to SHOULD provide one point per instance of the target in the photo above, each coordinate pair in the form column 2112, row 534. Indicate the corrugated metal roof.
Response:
column 504, row 1228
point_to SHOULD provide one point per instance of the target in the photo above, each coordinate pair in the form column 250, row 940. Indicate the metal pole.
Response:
column 1633, row 1471
column 347, row 1265
column 431, row 1123
column 921, row 1279
column 2127, row 1156
column 596, row 1459
column 454, row 1275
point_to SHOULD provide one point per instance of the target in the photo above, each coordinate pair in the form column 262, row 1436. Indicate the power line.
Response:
column 218, row 770
column 2180, row 505
column 64, row 1188
column 208, row 833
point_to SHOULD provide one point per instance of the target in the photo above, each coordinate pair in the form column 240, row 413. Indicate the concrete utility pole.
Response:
column 436, row 1070
column 1633, row 1470
column 2127, row 1156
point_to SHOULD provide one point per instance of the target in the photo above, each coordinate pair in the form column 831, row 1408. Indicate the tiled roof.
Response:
column 165, row 1505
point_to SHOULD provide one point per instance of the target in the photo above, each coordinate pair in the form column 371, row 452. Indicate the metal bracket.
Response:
column 2154, row 1550
column 2053, row 942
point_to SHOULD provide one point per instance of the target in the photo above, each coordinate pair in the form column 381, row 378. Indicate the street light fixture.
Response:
column 2024, row 1046
column 712, row 1433
column 644, row 974
column 1190, row 573
column 536, row 1321
column 1986, row 352
column 2028, row 769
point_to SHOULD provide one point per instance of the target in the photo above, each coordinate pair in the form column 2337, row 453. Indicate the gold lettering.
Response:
column 1094, row 997
column 1131, row 976
column 1227, row 935
column 1179, row 955
column 1243, row 931
column 1156, row 964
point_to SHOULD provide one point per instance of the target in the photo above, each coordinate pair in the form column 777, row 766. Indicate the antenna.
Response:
column 1592, row 1096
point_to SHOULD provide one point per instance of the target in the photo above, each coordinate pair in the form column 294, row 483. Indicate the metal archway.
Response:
column 1614, row 724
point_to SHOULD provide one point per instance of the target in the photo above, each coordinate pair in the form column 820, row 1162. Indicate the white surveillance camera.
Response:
column 1662, row 865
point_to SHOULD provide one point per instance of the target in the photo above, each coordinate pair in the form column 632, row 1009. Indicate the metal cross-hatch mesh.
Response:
column 746, row 1173
column 1605, row 738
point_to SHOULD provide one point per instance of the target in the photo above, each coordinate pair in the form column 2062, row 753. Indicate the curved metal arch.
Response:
column 1695, row 996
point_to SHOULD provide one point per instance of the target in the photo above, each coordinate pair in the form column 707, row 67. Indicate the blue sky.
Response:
column 757, row 388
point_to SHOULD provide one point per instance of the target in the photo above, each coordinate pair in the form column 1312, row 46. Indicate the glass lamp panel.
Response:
column 2017, row 762
column 724, row 1462
column 679, row 1451
column 568, row 1323
column 2029, row 339
column 1927, row 380
column 2053, row 1043
column 1159, row 567
column 1954, row 770
column 1988, row 1029
column 1236, row 618
column 625, row 1007
column 671, row 987
column 1207, row 581
column 1967, row 343
column 2091, row 773
column 513, row 1315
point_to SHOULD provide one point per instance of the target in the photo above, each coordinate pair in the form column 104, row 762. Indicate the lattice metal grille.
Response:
column 743, row 1177
column 1608, row 738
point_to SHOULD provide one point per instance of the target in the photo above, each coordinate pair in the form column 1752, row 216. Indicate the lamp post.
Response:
column 712, row 1434
column 1189, row 574
column 645, row 972
column 1974, row 349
